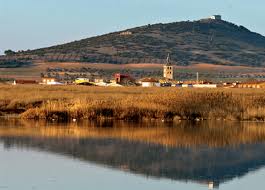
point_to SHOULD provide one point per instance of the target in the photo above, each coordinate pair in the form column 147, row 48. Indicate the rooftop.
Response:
column 149, row 80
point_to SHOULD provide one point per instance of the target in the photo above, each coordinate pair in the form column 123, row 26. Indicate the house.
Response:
column 205, row 86
column 251, row 84
column 101, row 83
column 168, row 70
column 120, row 78
column 216, row 17
column 150, row 82
column 100, row 80
column 229, row 84
column 124, row 79
column 22, row 81
column 48, row 80
column 83, row 81
column 126, row 33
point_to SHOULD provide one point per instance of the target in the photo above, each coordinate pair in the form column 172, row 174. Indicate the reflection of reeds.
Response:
column 66, row 102
column 186, row 134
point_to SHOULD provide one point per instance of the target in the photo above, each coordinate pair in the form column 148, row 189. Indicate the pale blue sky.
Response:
column 29, row 24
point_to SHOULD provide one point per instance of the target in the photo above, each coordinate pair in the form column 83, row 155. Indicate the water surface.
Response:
column 125, row 155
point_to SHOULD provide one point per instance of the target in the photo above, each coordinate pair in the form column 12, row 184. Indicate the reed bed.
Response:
column 131, row 103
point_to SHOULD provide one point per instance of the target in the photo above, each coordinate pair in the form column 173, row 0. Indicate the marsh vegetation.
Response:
column 131, row 103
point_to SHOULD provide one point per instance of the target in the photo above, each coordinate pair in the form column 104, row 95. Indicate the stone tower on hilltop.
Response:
column 168, row 70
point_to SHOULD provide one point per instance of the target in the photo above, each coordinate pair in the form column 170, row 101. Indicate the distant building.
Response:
column 204, row 86
column 150, row 82
column 48, row 80
column 213, row 185
column 251, row 84
column 216, row 17
column 100, row 80
column 123, row 79
column 82, row 81
column 21, row 81
column 168, row 70
column 126, row 33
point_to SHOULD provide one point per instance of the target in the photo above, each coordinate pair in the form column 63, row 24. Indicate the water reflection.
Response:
column 203, row 152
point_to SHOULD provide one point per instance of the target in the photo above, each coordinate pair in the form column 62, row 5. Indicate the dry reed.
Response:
column 135, row 103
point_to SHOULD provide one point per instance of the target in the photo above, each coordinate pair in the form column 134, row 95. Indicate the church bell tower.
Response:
column 168, row 70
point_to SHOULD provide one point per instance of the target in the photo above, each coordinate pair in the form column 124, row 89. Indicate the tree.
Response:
column 9, row 52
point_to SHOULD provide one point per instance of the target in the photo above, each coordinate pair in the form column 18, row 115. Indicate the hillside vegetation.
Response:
column 202, row 41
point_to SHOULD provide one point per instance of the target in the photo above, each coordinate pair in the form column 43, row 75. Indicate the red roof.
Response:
column 121, row 75
column 26, row 82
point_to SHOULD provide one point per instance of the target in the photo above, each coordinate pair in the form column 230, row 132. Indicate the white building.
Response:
column 50, row 81
column 205, row 86
column 150, row 82
column 216, row 17
column 126, row 33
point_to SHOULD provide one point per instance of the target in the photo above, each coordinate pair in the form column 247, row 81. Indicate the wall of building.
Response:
column 216, row 17
column 168, row 72
column 251, row 85
column 205, row 85
column 150, row 84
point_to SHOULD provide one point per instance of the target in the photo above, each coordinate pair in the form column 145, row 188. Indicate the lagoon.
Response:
column 128, row 155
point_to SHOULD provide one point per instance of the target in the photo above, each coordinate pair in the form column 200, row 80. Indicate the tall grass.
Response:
column 132, row 103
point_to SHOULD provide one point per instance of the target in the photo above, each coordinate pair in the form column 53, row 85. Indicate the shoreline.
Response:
column 100, row 118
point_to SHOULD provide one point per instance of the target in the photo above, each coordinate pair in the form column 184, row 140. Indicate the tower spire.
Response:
column 168, row 59
column 168, row 69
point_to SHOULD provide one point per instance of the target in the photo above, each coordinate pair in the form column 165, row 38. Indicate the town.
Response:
column 85, row 78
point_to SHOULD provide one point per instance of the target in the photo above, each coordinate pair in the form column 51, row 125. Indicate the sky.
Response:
column 31, row 24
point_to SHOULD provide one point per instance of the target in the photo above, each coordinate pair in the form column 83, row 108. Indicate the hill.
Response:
column 204, row 41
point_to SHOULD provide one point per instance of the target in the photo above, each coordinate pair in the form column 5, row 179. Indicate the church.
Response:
column 168, row 70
